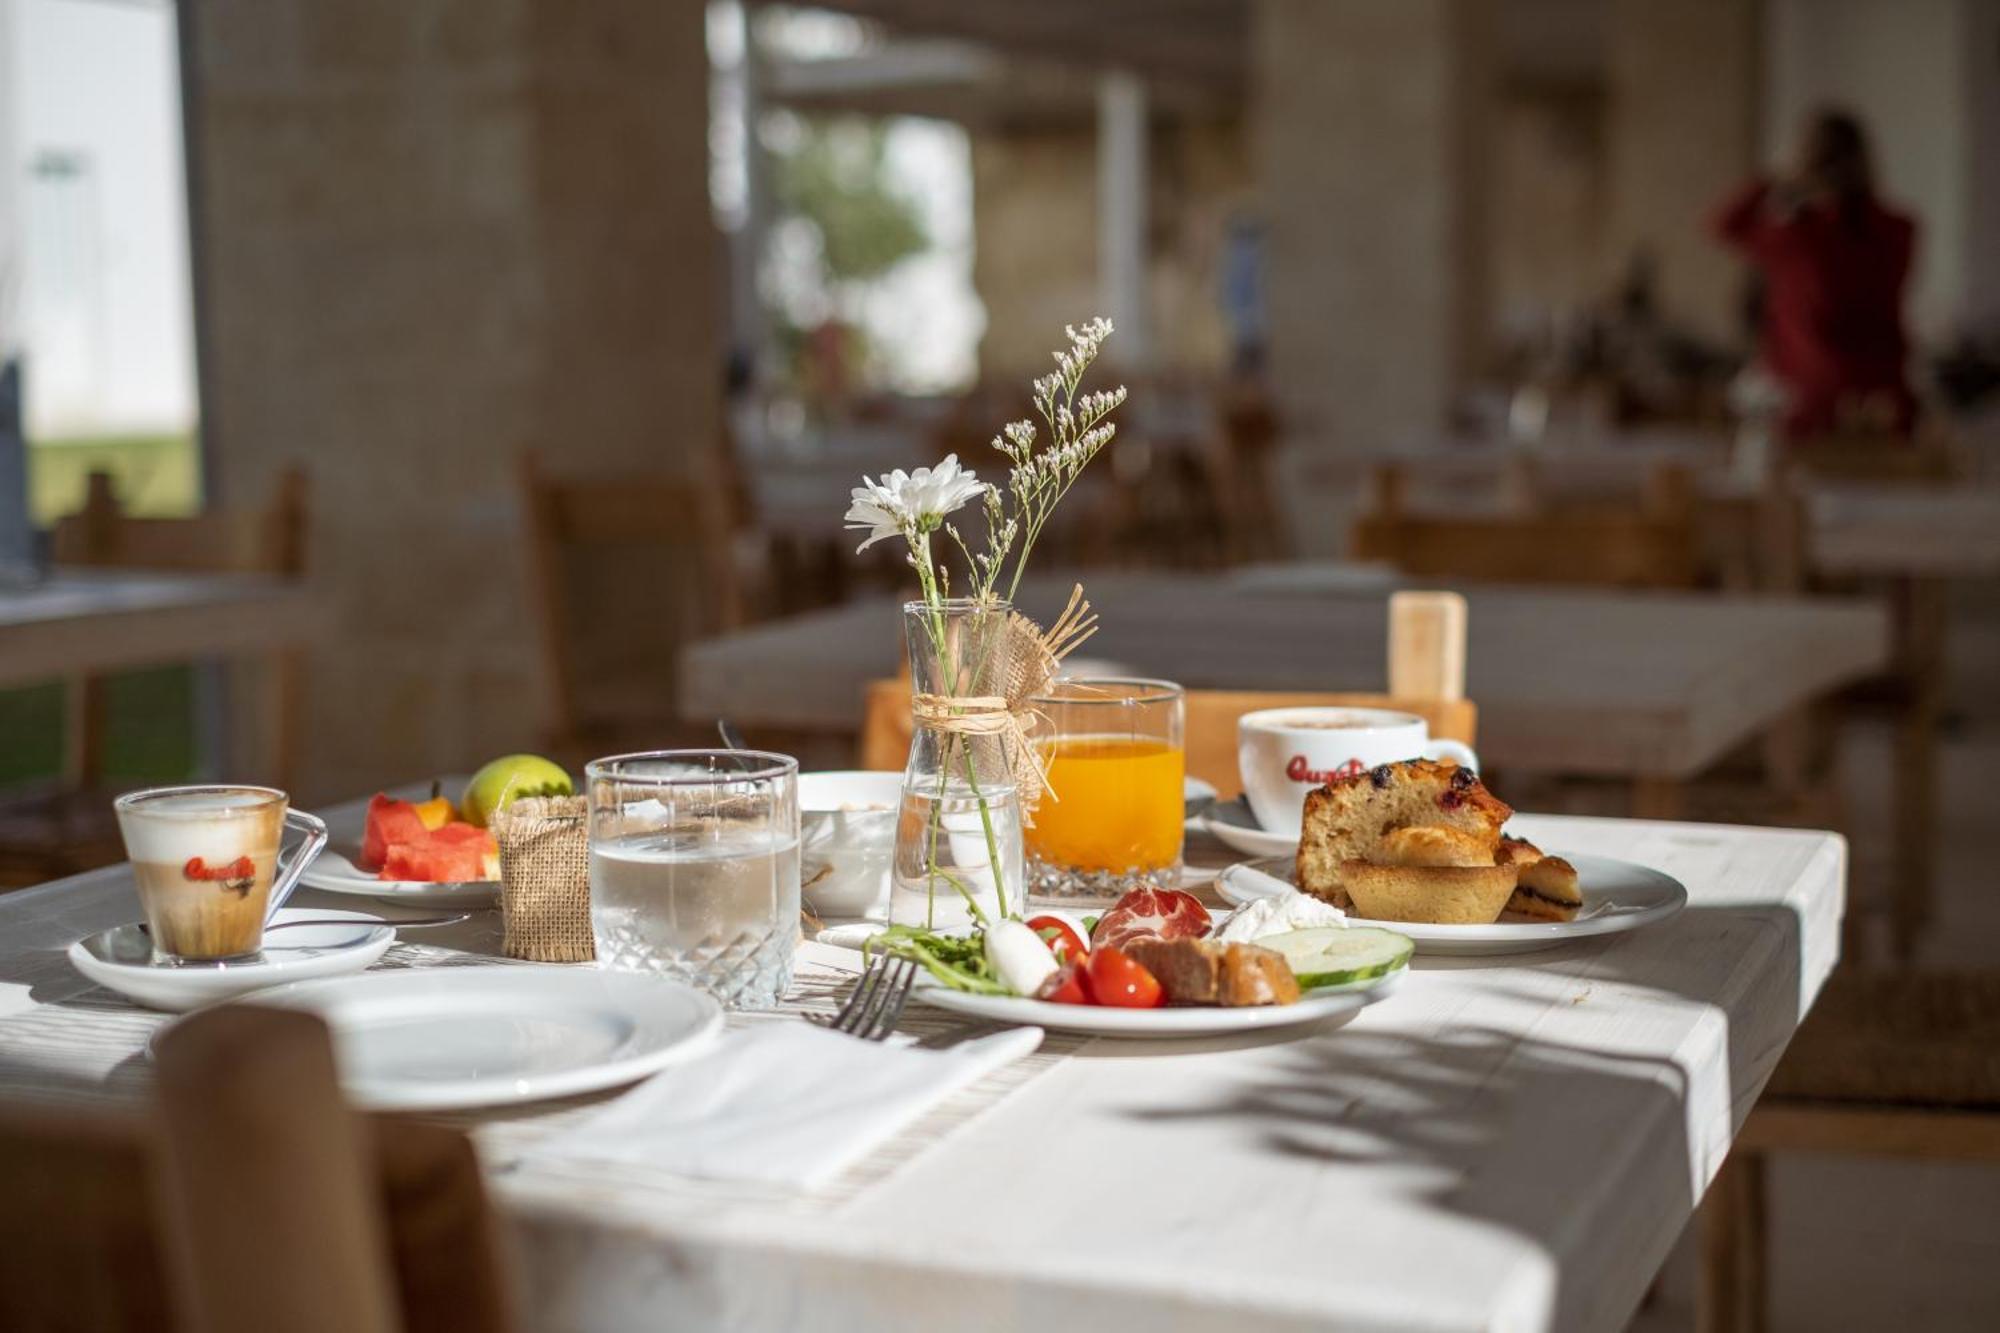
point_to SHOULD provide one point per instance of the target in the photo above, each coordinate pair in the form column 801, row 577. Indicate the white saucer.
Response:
column 335, row 872
column 1319, row 1006
column 1233, row 825
column 122, row 959
column 1617, row 896
column 439, row 1038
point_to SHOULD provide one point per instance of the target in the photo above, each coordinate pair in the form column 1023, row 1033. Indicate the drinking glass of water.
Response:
column 694, row 868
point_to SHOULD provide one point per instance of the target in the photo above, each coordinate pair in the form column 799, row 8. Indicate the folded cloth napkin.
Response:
column 781, row 1103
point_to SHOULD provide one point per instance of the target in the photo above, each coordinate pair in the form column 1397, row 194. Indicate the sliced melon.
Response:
column 1338, row 955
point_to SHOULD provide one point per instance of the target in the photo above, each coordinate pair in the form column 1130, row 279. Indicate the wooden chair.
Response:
column 1426, row 677
column 252, row 1198
column 623, row 572
column 67, row 827
column 1649, row 545
column 1887, row 1064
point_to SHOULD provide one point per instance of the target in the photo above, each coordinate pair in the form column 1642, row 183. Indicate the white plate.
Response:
column 335, row 872
column 1617, row 896
column 439, row 1038
column 1232, row 824
column 1318, row 1006
column 121, row 959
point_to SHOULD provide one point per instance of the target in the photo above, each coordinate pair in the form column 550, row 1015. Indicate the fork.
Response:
column 877, row 1002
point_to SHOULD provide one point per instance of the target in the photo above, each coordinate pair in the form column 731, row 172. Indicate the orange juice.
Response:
column 1114, row 803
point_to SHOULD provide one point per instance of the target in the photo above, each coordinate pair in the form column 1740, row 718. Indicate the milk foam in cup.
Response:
column 205, row 861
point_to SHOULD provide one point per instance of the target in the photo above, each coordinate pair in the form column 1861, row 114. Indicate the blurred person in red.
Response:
column 1835, row 261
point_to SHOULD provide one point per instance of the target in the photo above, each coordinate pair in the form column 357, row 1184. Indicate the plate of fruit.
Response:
column 1158, row 964
column 436, row 849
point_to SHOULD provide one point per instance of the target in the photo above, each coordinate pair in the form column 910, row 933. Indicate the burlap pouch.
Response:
column 545, row 879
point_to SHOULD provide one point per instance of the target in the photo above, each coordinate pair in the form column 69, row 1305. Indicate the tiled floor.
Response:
column 1861, row 1243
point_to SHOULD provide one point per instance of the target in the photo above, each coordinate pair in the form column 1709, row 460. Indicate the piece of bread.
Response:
column 1349, row 818
column 1437, row 895
column 1196, row 971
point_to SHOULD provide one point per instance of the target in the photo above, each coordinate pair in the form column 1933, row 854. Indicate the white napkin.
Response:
column 781, row 1103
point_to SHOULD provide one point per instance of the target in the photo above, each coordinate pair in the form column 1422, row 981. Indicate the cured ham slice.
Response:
column 1161, row 914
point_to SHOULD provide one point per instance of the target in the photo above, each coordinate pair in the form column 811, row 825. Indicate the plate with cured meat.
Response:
column 1158, row 963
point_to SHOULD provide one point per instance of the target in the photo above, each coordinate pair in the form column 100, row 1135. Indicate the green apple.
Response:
column 507, row 780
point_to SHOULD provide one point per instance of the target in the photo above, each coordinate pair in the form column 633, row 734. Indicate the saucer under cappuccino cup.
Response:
column 206, row 863
column 1283, row 753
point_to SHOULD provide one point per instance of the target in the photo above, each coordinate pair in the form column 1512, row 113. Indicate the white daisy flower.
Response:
column 908, row 504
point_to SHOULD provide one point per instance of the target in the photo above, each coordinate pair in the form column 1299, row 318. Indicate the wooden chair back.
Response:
column 266, row 540
column 80, row 1244
column 1929, row 456
column 623, row 571
column 270, row 539
column 1653, row 544
column 253, row 1199
column 1426, row 677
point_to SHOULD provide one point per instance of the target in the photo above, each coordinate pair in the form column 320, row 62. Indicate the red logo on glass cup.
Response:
column 1299, row 771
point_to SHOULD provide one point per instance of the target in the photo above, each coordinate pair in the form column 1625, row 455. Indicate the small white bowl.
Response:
column 847, row 840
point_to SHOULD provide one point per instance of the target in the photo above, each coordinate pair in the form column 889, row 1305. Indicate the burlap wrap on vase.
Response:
column 545, row 879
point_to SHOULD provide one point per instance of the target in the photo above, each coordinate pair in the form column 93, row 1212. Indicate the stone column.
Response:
column 1363, row 138
column 431, row 238
column 1684, row 104
column 1366, row 125
column 1121, row 213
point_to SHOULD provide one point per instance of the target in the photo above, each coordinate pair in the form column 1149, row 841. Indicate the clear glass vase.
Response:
column 958, row 839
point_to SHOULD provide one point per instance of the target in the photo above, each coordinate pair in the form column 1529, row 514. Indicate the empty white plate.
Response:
column 1171, row 1021
column 122, row 959
column 334, row 871
column 434, row 1039
column 1617, row 896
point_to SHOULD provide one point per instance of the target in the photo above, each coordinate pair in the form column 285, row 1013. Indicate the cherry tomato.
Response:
column 1060, row 935
column 1070, row 985
column 1116, row 980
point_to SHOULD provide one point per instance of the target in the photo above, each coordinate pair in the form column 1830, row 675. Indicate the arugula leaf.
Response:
column 959, row 961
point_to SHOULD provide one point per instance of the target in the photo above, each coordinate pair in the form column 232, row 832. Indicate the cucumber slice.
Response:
column 1336, row 955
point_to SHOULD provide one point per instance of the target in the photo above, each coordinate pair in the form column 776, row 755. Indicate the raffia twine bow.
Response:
column 1030, row 657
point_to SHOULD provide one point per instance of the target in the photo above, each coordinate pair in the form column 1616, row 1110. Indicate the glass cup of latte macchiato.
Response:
column 1112, row 817
column 205, row 860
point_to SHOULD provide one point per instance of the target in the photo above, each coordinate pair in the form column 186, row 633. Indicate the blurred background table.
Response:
column 1637, row 685
column 77, row 622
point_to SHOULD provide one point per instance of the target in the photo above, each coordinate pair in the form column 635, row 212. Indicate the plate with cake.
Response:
column 1420, row 847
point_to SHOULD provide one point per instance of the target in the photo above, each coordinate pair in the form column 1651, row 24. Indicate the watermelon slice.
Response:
column 389, row 823
column 452, row 854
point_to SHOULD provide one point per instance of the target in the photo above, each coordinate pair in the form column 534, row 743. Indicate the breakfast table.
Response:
column 1510, row 1142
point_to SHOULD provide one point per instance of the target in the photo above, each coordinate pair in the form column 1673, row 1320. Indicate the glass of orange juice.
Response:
column 1111, row 817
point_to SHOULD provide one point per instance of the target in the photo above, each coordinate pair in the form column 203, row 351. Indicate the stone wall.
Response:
column 1035, row 219
column 428, row 237
column 1684, row 81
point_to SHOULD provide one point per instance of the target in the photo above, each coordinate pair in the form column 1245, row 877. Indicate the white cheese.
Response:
column 1276, row 915
column 1020, row 956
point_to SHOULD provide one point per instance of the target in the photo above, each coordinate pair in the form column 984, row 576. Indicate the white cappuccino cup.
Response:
column 1283, row 753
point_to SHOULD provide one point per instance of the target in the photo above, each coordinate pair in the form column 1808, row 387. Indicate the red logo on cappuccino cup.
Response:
column 1299, row 771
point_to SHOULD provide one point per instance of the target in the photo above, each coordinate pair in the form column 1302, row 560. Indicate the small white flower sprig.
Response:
column 915, row 505
column 1078, row 429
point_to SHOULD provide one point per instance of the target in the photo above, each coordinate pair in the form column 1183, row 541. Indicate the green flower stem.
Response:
column 992, row 843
